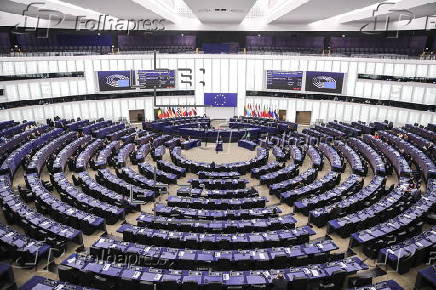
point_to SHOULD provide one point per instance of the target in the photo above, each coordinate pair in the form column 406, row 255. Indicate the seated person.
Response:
column 279, row 282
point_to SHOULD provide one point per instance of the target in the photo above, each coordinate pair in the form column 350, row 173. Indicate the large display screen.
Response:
column 284, row 80
column 161, row 79
column 114, row 80
column 221, row 99
column 325, row 82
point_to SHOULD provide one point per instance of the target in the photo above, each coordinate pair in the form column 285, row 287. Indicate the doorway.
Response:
column 303, row 117
column 282, row 115
column 136, row 116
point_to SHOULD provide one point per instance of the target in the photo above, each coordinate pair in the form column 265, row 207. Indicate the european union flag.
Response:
column 221, row 99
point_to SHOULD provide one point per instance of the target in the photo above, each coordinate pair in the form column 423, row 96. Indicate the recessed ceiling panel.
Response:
column 123, row 9
column 223, row 11
column 315, row 10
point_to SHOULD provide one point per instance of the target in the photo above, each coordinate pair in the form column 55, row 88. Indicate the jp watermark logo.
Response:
column 38, row 18
column 430, row 22
column 431, row 258
column 32, row 262
column 392, row 21
column 389, row 21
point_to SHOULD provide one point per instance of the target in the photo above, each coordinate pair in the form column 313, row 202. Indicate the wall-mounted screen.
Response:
column 325, row 82
column 114, row 80
column 161, row 79
column 221, row 99
column 284, row 80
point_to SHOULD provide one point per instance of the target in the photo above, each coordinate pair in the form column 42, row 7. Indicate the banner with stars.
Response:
column 221, row 99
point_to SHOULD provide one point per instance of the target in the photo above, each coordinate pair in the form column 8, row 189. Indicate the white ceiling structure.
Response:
column 307, row 11
column 223, row 11
column 392, row 9
column 125, row 9
column 230, row 15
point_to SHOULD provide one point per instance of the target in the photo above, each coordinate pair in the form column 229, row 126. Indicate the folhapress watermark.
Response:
column 106, row 22
column 38, row 19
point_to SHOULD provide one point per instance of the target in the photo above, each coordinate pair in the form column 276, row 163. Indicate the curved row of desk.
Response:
column 218, row 223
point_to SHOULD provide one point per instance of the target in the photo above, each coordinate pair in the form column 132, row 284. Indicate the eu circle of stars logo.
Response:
column 220, row 99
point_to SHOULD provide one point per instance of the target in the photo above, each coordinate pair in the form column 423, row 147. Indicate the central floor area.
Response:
column 231, row 153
